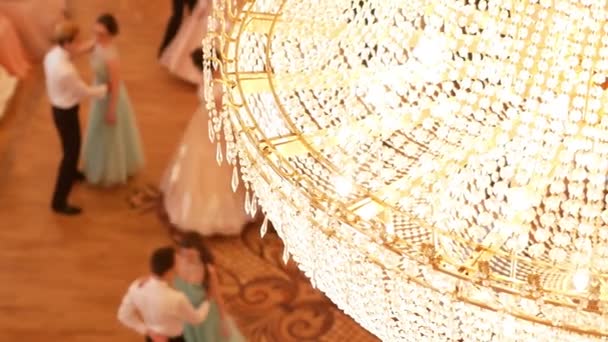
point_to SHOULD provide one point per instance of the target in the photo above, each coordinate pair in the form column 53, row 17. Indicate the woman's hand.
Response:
column 111, row 117
column 157, row 338
column 225, row 329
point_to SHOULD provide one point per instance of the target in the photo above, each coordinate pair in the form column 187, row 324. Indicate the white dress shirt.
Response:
column 64, row 86
column 151, row 305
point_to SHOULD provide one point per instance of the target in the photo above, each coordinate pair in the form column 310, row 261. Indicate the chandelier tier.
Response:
column 437, row 168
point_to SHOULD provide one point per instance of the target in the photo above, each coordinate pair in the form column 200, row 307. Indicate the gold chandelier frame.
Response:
column 274, row 152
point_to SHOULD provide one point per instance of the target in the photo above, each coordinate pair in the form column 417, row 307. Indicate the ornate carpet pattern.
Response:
column 270, row 301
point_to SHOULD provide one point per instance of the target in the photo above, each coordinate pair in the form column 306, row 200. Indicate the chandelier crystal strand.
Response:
column 234, row 183
column 437, row 168
column 254, row 206
column 264, row 227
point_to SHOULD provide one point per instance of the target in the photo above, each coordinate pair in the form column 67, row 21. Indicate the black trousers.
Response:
column 175, row 22
column 68, row 127
column 172, row 339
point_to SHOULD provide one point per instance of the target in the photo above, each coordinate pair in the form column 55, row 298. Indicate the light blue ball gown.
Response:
column 210, row 329
column 111, row 153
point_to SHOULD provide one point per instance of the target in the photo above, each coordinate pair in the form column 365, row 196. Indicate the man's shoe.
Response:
column 68, row 210
column 80, row 177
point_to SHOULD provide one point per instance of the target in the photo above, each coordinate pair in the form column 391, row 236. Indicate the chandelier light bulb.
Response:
column 508, row 326
column 519, row 199
column 429, row 50
column 581, row 279
column 343, row 186
column 389, row 225
column 368, row 212
column 559, row 107
column 390, row 228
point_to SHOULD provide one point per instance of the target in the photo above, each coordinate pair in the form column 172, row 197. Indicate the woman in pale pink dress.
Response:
column 176, row 57
column 197, row 192
column 12, row 54
column 35, row 21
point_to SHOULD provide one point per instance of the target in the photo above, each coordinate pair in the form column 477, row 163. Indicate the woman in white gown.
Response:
column 197, row 192
column 176, row 57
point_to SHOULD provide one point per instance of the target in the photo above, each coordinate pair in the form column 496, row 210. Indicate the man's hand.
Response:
column 104, row 88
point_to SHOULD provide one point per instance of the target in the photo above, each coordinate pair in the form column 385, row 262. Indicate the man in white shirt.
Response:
column 66, row 89
column 156, row 310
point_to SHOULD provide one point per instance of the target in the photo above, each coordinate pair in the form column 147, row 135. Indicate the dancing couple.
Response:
column 112, row 150
column 180, row 300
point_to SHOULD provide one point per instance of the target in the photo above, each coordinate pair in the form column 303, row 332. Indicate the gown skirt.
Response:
column 197, row 191
column 210, row 329
column 111, row 153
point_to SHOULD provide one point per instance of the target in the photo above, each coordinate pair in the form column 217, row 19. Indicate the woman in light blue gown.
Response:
column 197, row 279
column 112, row 151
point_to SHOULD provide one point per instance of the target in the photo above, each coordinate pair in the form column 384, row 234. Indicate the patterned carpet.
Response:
column 271, row 301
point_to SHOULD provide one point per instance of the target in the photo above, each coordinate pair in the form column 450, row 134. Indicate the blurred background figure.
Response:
column 177, row 56
column 12, row 53
column 35, row 21
column 180, row 9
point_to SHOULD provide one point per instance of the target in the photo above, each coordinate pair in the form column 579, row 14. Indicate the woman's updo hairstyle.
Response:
column 109, row 22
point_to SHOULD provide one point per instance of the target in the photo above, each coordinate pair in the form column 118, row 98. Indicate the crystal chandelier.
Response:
column 437, row 168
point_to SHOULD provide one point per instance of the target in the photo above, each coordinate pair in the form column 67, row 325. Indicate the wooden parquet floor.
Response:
column 62, row 278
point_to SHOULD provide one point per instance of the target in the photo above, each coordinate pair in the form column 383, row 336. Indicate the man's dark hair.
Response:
column 162, row 260
column 109, row 22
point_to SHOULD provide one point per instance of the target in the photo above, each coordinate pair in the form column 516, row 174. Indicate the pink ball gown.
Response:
column 176, row 57
column 12, row 54
column 197, row 192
